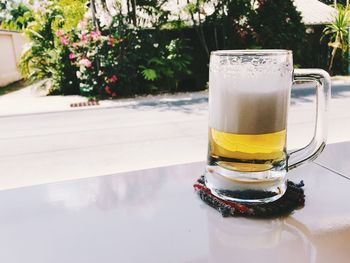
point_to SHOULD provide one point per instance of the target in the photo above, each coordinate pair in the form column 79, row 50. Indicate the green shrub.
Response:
column 124, row 61
column 46, row 56
column 166, row 68
column 14, row 15
column 40, row 58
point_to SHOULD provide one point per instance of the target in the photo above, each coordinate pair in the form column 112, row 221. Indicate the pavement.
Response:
column 44, row 140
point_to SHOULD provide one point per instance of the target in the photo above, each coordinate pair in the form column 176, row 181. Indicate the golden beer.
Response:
column 246, row 152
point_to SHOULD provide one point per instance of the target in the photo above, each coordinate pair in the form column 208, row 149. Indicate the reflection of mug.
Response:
column 249, row 240
column 249, row 93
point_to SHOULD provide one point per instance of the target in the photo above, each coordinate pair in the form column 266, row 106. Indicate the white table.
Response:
column 155, row 216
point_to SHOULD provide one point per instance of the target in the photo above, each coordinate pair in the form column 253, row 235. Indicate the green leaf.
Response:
column 191, row 8
column 155, row 61
column 149, row 74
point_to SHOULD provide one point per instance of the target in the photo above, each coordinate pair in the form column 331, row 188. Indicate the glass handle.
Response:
column 323, row 92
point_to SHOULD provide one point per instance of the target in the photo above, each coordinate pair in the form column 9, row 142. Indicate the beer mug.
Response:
column 249, row 95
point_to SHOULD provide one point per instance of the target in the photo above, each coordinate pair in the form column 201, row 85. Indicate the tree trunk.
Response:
column 129, row 11
column 134, row 19
column 104, row 5
column 334, row 51
column 223, row 28
column 216, row 38
column 93, row 12
column 201, row 32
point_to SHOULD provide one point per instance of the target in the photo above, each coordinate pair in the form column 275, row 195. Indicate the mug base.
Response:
column 246, row 187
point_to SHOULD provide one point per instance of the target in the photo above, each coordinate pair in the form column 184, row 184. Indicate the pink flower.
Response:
column 85, row 62
column 82, row 24
column 95, row 33
column 74, row 45
column 113, row 79
column 71, row 56
column 59, row 32
column 114, row 94
column 108, row 90
column 64, row 41
column 110, row 40
column 121, row 40
column 84, row 37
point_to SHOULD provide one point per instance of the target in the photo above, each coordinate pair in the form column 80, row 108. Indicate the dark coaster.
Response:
column 293, row 198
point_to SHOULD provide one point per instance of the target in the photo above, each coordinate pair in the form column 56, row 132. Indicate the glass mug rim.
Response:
column 252, row 52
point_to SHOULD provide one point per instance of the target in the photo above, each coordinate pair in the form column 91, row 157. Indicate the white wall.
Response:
column 11, row 46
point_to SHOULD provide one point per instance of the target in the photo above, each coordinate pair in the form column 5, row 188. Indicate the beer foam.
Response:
column 252, row 102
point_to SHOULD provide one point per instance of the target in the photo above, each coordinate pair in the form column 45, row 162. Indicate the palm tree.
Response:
column 338, row 33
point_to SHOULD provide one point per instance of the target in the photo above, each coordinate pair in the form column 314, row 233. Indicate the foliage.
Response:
column 230, row 23
column 46, row 56
column 277, row 24
column 96, row 57
column 72, row 11
column 39, row 59
column 13, row 15
column 167, row 68
column 109, row 63
column 116, row 58
column 245, row 24
column 154, row 9
column 338, row 33
column 330, row 2
column 195, row 11
column 64, row 76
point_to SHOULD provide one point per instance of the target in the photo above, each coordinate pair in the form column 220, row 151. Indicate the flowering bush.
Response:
column 118, row 59
column 123, row 61
column 46, row 55
column 95, row 57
